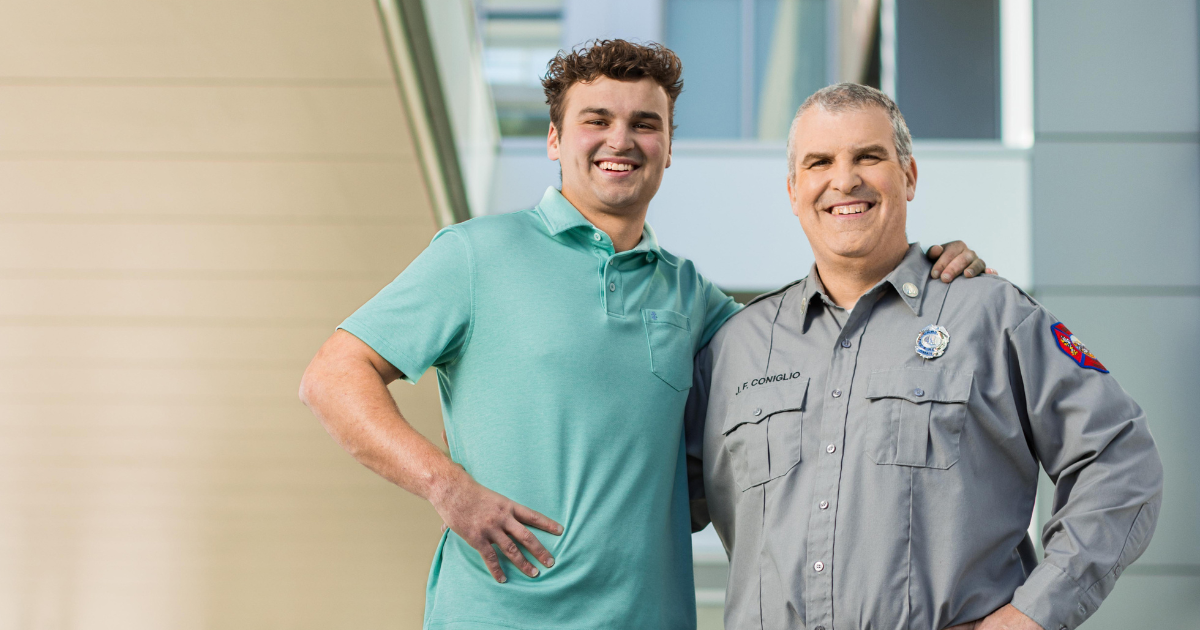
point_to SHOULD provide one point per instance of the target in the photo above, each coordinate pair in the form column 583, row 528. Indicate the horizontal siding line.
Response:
column 1117, row 137
column 163, row 364
column 1115, row 291
column 156, row 220
column 199, row 274
column 291, row 399
column 103, row 321
column 206, row 156
column 67, row 81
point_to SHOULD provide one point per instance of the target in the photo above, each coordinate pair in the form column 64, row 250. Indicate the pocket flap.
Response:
column 663, row 316
column 756, row 404
column 917, row 385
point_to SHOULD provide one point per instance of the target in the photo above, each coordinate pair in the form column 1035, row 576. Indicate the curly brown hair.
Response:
column 615, row 59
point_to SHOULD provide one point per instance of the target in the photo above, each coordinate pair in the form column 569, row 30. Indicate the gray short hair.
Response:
column 842, row 97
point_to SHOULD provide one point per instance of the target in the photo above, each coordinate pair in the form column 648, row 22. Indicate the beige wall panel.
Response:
column 260, row 344
column 283, row 300
column 227, row 120
column 321, row 250
column 192, row 195
column 248, row 39
column 232, row 191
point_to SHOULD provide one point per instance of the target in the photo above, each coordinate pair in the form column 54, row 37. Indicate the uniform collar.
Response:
column 560, row 216
column 913, row 269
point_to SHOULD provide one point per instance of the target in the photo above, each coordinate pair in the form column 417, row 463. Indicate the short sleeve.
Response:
column 423, row 318
column 718, row 308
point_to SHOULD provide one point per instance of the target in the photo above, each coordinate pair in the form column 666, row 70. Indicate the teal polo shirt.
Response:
column 563, row 369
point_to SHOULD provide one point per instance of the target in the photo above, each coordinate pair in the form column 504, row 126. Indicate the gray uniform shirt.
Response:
column 856, row 485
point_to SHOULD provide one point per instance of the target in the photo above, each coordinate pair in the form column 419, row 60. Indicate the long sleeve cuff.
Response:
column 1052, row 599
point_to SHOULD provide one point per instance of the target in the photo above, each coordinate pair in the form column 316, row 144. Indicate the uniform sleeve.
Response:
column 423, row 318
column 1094, row 443
column 718, row 308
column 694, row 414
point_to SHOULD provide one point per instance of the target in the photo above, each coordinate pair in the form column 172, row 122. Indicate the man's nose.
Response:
column 620, row 138
column 845, row 178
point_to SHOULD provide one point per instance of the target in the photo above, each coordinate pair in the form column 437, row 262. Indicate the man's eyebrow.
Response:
column 638, row 115
column 872, row 148
column 808, row 157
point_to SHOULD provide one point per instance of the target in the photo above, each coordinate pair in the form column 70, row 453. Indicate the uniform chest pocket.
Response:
column 915, row 416
column 670, row 339
column 763, row 429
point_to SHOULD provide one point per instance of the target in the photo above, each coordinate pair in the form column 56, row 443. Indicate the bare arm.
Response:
column 345, row 385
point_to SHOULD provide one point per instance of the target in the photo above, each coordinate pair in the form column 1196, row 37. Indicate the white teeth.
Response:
column 854, row 208
column 614, row 166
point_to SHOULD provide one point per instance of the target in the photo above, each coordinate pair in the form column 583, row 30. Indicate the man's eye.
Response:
column 873, row 158
column 819, row 163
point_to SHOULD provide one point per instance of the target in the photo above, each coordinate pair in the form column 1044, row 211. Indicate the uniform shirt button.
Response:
column 819, row 628
column 612, row 286
column 845, row 343
column 650, row 257
column 597, row 237
column 823, row 505
column 918, row 392
column 837, row 393
column 758, row 412
column 830, row 449
column 819, row 566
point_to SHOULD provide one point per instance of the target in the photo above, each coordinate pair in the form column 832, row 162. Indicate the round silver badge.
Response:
column 932, row 341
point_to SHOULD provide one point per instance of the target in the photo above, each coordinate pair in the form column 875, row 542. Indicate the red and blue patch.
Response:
column 1074, row 348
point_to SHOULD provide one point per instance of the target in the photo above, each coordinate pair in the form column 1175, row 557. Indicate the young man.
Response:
column 563, row 339
column 871, row 439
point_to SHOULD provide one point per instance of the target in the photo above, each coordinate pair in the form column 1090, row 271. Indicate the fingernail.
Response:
column 503, row 580
column 550, row 563
column 933, row 274
column 945, row 277
column 535, row 573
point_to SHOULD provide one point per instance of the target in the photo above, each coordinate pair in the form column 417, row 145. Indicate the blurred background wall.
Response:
column 192, row 195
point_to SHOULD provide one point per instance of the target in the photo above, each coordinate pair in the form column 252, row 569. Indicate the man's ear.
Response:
column 552, row 143
column 792, row 196
column 911, row 176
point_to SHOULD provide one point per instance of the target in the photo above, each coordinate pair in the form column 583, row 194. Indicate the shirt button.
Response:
column 650, row 257
column 819, row 628
column 612, row 286
column 758, row 412
column 597, row 237
column 918, row 392
column 819, row 566
column 837, row 393
column 824, row 505
column 830, row 449
column 845, row 343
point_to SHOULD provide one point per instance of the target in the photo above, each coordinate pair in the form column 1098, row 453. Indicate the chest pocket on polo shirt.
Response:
column 763, row 429
column 670, row 339
column 915, row 416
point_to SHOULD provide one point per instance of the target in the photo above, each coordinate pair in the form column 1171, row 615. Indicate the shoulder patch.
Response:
column 1074, row 348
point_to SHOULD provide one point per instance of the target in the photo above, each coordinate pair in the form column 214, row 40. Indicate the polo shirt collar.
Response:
column 914, row 268
column 559, row 216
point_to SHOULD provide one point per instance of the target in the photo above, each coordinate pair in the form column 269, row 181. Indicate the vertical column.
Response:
column 1116, row 216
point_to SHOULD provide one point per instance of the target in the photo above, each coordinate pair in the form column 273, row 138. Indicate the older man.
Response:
column 871, row 439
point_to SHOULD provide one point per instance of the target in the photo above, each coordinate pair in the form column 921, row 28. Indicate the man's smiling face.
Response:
column 614, row 143
column 850, row 191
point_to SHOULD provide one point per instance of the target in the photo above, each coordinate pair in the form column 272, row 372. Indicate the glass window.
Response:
column 519, row 38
